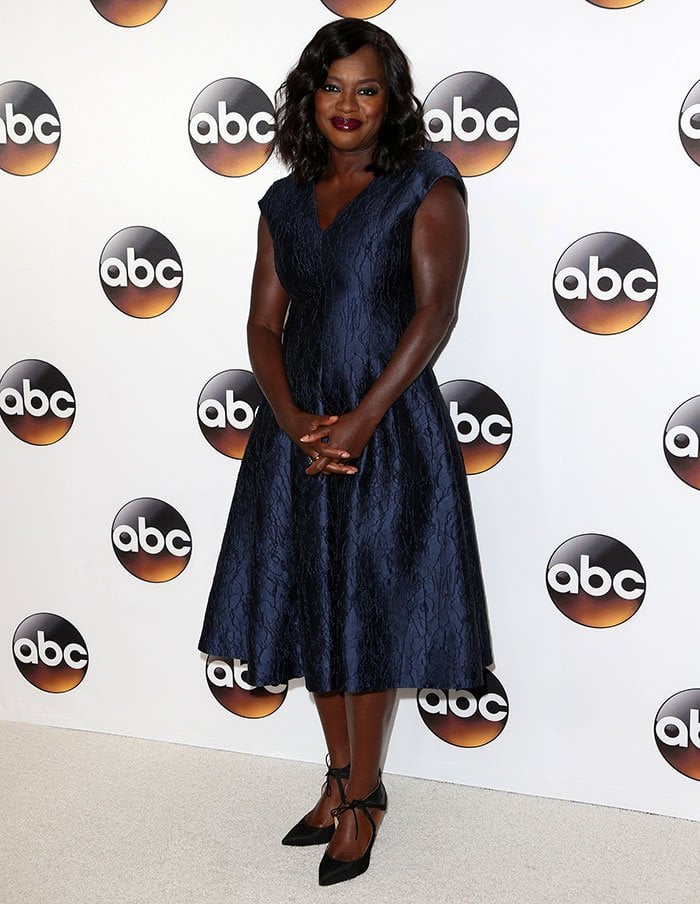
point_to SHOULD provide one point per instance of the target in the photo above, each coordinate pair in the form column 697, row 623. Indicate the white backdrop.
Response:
column 598, row 92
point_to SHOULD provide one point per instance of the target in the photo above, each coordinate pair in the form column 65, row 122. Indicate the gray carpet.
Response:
column 102, row 819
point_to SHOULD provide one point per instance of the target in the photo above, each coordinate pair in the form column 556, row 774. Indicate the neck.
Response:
column 346, row 166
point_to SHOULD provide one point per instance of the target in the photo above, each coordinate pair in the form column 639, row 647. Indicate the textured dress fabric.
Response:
column 368, row 581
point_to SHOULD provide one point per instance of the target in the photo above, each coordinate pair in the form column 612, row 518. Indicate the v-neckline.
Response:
column 341, row 212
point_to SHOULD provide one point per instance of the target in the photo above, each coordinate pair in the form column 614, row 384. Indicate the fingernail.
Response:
column 303, row 438
column 345, row 455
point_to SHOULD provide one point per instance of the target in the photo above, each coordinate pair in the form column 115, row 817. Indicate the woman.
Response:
column 349, row 556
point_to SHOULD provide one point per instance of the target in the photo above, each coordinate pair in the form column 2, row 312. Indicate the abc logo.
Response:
column 232, row 123
column 30, row 130
column 605, row 283
column 482, row 423
column 682, row 442
column 689, row 123
column 151, row 540
column 472, row 118
column 677, row 732
column 595, row 581
column 358, row 9
column 228, row 682
column 140, row 271
column 614, row 4
column 226, row 410
column 50, row 652
column 129, row 14
column 465, row 718
column 36, row 402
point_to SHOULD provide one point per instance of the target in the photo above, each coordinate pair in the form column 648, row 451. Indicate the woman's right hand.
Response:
column 327, row 459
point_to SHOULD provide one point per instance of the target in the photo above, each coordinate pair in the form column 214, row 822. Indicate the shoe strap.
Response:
column 337, row 773
column 376, row 799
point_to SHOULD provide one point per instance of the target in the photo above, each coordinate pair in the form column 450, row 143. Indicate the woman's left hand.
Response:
column 352, row 431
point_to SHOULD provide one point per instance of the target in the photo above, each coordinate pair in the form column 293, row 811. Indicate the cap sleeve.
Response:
column 433, row 166
column 266, row 204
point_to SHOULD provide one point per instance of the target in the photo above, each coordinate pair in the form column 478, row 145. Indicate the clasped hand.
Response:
column 331, row 440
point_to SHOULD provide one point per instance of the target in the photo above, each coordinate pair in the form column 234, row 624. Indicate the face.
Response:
column 351, row 104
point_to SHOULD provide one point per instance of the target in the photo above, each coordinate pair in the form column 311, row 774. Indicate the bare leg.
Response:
column 332, row 712
column 368, row 718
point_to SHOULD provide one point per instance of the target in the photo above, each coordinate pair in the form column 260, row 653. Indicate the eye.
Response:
column 329, row 86
column 368, row 92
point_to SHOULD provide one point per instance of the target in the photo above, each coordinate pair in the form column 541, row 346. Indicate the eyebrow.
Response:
column 360, row 81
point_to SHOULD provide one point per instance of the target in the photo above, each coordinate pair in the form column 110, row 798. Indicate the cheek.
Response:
column 377, row 111
column 319, row 109
column 379, row 114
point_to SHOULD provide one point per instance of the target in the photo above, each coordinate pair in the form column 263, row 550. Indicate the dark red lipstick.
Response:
column 345, row 125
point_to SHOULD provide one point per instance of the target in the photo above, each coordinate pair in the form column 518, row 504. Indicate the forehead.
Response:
column 365, row 63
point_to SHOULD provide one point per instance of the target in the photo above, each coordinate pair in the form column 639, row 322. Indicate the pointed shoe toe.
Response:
column 331, row 871
column 303, row 834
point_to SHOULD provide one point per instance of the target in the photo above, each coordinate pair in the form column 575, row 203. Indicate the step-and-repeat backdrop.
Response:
column 134, row 144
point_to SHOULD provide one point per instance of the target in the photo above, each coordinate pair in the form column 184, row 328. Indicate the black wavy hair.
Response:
column 298, row 141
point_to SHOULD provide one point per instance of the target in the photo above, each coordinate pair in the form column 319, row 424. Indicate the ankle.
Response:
column 359, row 788
column 338, row 759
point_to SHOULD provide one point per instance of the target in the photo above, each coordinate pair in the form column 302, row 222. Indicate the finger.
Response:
column 322, row 420
column 319, row 436
column 334, row 467
column 316, row 465
column 329, row 452
column 314, row 435
column 323, row 464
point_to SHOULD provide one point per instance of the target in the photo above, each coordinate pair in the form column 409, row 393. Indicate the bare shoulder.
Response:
column 443, row 203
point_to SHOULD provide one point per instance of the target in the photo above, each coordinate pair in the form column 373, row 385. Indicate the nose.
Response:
column 347, row 101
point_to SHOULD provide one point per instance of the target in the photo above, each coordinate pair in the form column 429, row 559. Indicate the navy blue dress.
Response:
column 361, row 582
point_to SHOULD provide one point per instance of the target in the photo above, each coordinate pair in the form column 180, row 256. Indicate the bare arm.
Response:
column 439, row 250
column 268, row 308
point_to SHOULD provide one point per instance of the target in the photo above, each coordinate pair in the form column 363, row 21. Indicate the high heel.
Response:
column 331, row 870
column 303, row 833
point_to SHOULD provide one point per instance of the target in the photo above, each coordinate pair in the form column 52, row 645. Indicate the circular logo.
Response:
column 358, row 9
column 605, row 283
column 30, row 130
column 128, row 13
column 681, row 443
column 465, row 718
column 226, row 409
column 472, row 118
column 482, row 422
column 677, row 732
column 614, row 4
column 151, row 540
column 50, row 652
column 36, row 402
column 228, row 682
column 141, row 272
column 232, row 123
column 595, row 581
column 689, row 123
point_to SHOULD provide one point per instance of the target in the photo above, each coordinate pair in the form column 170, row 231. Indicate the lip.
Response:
column 345, row 125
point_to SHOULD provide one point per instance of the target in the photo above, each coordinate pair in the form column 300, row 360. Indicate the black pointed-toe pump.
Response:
column 330, row 870
column 303, row 833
